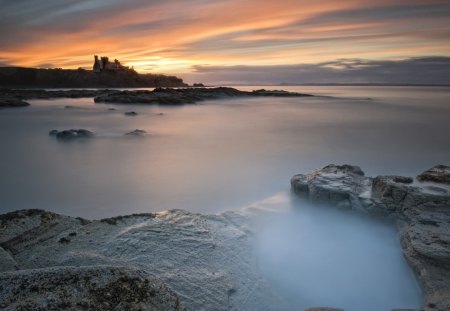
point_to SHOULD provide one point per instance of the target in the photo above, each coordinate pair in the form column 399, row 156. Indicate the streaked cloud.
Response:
column 183, row 36
column 433, row 70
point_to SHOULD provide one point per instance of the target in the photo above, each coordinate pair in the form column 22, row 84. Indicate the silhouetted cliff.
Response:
column 61, row 78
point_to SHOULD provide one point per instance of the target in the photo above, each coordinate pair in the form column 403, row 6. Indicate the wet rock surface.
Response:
column 25, row 94
column 421, row 210
column 85, row 288
column 177, row 259
column 71, row 134
column 438, row 174
column 12, row 102
column 137, row 133
column 205, row 260
column 170, row 96
column 130, row 113
column 160, row 96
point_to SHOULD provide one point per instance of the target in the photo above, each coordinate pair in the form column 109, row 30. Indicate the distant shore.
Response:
column 21, row 77
column 196, row 261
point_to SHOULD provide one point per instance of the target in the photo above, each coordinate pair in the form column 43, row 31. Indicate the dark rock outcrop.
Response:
column 137, row 133
column 422, row 212
column 12, row 102
column 438, row 174
column 71, row 134
column 131, row 113
column 168, row 96
column 160, row 96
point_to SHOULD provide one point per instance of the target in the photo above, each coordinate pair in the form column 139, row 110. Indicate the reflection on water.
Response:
column 214, row 156
column 318, row 256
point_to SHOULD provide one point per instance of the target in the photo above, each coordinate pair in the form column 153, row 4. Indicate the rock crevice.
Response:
column 421, row 210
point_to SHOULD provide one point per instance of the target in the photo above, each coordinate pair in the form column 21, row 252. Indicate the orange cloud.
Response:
column 172, row 36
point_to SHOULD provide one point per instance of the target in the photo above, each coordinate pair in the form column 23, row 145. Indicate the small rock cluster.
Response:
column 71, row 134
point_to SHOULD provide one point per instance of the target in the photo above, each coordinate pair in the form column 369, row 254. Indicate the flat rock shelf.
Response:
column 159, row 96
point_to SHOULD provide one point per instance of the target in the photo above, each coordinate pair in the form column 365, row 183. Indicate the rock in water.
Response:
column 438, row 174
column 131, row 113
column 422, row 214
column 11, row 102
column 71, row 134
column 180, row 96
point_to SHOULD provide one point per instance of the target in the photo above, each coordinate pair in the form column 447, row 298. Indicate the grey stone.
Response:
column 421, row 212
column 71, row 134
column 85, row 288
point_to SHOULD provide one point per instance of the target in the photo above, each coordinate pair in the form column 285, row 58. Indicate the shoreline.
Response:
column 158, row 242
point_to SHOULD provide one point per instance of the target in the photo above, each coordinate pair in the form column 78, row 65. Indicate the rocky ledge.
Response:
column 12, row 102
column 71, row 134
column 421, row 210
column 157, row 261
column 171, row 96
column 160, row 96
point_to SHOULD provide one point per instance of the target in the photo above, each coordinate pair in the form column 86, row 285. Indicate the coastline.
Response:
column 191, row 252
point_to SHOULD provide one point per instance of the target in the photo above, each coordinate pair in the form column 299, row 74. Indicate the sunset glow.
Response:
column 174, row 36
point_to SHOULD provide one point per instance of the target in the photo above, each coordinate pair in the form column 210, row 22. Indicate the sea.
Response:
column 226, row 154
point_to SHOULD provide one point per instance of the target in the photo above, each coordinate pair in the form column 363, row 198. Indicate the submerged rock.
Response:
column 11, row 102
column 71, row 134
column 438, row 174
column 137, row 133
column 131, row 113
column 422, row 214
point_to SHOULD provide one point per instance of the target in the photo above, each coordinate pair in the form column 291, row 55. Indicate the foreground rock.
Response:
column 438, row 173
column 117, row 263
column 169, row 96
column 422, row 211
column 85, row 288
column 71, row 134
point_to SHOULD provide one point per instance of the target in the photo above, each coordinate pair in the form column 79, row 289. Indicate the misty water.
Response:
column 319, row 256
column 226, row 154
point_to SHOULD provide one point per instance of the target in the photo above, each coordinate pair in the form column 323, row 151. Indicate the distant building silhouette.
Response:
column 103, row 64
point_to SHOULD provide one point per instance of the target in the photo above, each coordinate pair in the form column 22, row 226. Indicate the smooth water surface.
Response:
column 319, row 256
column 225, row 154
column 216, row 155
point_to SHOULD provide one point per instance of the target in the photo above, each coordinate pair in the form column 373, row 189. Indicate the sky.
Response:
column 236, row 41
